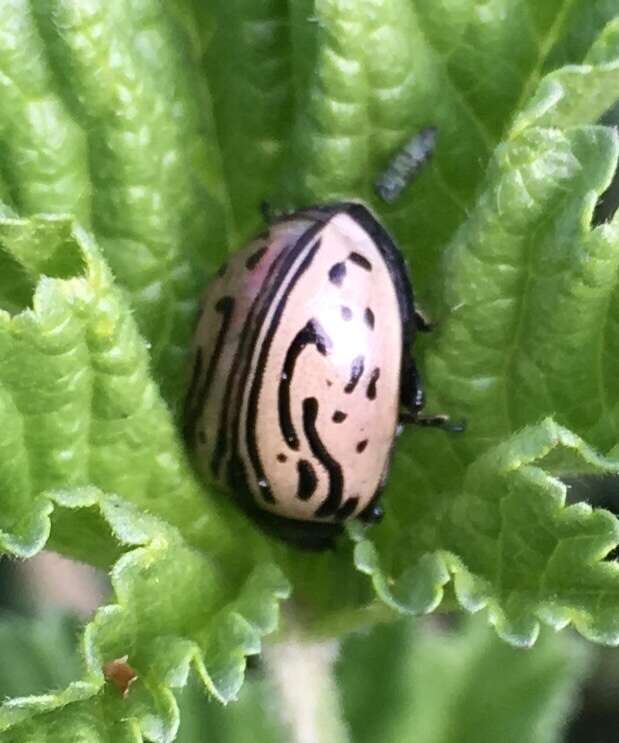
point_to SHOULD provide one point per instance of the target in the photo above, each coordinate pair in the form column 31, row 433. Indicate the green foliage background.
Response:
column 137, row 139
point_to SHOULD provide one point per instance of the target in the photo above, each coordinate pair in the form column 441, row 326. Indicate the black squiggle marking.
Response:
column 371, row 391
column 254, row 258
column 349, row 506
column 339, row 416
column 368, row 316
column 337, row 273
column 225, row 307
column 356, row 371
column 307, row 480
column 336, row 477
column 312, row 334
column 257, row 381
column 360, row 260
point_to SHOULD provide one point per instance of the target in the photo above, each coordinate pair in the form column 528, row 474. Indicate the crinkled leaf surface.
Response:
column 136, row 142
column 174, row 611
column 426, row 664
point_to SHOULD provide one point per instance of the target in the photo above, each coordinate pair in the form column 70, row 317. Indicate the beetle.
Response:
column 301, row 371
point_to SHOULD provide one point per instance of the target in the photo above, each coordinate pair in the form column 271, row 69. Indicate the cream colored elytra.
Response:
column 297, row 358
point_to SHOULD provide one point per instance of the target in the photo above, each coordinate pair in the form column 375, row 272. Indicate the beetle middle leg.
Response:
column 412, row 400
column 422, row 324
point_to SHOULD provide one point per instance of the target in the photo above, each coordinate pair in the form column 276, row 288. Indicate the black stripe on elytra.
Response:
column 360, row 260
column 338, row 416
column 371, row 391
column 265, row 347
column 368, row 316
column 356, row 370
column 189, row 418
column 307, row 480
column 336, row 477
column 311, row 334
column 349, row 506
column 237, row 479
column 262, row 301
column 337, row 273
column 225, row 307
column 254, row 258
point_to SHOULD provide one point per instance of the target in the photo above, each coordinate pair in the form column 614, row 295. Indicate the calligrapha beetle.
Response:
column 302, row 373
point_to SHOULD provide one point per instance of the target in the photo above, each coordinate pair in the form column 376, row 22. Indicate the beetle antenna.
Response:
column 405, row 164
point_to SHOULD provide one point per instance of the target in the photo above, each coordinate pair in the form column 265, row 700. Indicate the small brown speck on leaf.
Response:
column 120, row 673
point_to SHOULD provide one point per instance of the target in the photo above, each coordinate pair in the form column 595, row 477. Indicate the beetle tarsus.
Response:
column 373, row 514
column 433, row 421
column 412, row 398
column 422, row 324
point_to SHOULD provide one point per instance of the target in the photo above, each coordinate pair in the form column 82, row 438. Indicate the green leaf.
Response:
column 370, row 79
column 576, row 93
column 429, row 684
column 173, row 612
column 101, row 119
column 528, row 284
column 97, row 417
column 462, row 684
column 529, row 290
column 512, row 545
column 153, row 130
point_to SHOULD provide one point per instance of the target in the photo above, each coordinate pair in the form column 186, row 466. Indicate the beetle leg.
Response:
column 412, row 399
column 422, row 324
column 372, row 514
column 433, row 421
column 412, row 395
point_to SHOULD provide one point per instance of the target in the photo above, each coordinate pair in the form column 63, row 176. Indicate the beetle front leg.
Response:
column 412, row 399
column 373, row 514
column 422, row 324
column 433, row 421
column 412, row 395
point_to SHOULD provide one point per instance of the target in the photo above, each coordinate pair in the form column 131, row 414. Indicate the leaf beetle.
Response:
column 301, row 370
